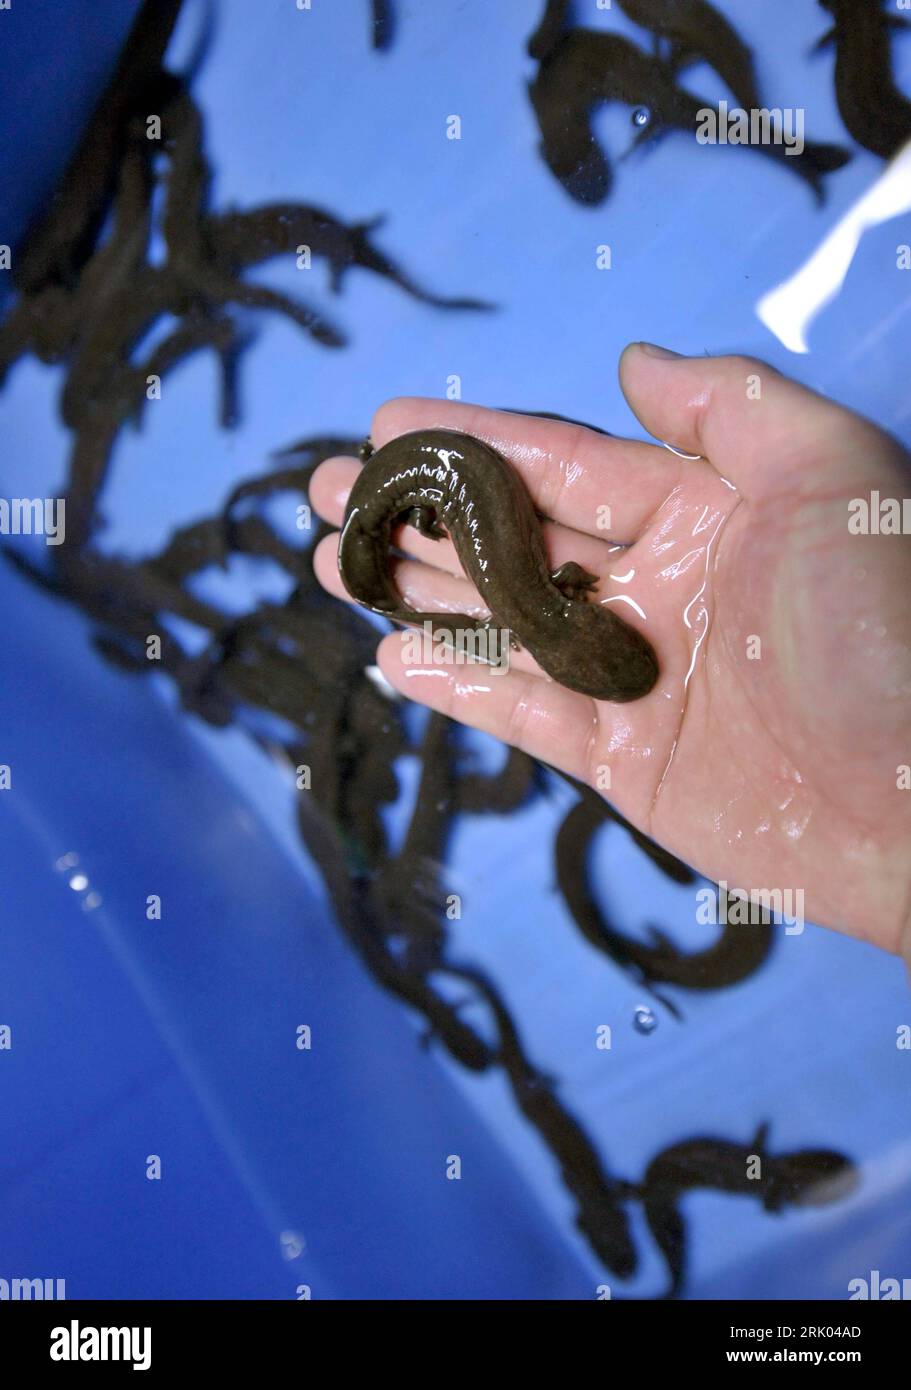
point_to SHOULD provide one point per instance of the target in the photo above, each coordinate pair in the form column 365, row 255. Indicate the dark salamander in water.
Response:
column 697, row 32
column 802, row 1178
column 554, row 24
column 600, row 1213
column 876, row 113
column 737, row 953
column 587, row 68
column 433, row 479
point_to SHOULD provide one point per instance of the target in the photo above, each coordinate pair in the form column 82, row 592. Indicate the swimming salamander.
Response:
column 600, row 1213
column 875, row 112
column 698, row 32
column 588, row 68
column 802, row 1178
column 382, row 24
column 734, row 956
column 440, row 478
column 59, row 240
column 554, row 24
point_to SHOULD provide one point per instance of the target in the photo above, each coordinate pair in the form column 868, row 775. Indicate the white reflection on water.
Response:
column 789, row 309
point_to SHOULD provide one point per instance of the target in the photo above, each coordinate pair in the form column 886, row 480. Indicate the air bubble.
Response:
column 292, row 1243
column 645, row 1020
column 641, row 116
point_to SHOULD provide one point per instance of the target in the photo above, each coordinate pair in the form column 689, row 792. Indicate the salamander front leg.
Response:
column 424, row 521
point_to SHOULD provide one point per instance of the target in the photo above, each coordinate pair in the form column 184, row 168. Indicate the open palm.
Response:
column 769, row 753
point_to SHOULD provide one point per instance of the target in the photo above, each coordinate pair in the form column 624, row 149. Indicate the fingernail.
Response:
column 653, row 350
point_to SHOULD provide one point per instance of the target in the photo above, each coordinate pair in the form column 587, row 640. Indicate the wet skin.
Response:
column 601, row 810
column 441, row 478
column 306, row 664
column 351, row 744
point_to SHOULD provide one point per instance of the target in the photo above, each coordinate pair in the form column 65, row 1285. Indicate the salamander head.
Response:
column 809, row 1178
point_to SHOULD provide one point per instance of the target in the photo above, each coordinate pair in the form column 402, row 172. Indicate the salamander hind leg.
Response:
column 493, row 623
column 823, row 41
column 573, row 581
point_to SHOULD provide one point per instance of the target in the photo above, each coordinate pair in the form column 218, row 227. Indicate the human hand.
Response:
column 768, row 755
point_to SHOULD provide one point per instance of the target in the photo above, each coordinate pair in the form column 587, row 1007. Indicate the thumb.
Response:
column 740, row 414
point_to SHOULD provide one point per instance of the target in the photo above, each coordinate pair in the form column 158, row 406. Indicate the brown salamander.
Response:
column 698, row 32
column 737, row 953
column 802, row 1178
column 60, row 239
column 876, row 113
column 587, row 69
column 553, row 25
column 433, row 479
column 600, row 1213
